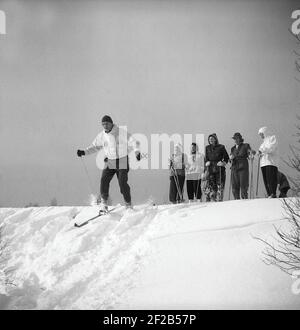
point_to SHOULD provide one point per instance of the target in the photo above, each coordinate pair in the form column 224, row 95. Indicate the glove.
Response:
column 207, row 163
column 138, row 155
column 80, row 153
column 252, row 154
column 105, row 160
column 221, row 164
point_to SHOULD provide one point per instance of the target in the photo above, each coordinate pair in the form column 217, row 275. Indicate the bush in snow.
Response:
column 284, row 252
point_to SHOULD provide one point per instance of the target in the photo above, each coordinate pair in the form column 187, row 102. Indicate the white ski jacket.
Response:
column 269, row 148
column 194, row 166
column 116, row 144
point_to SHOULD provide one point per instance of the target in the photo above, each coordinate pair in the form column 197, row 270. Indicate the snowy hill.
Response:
column 186, row 256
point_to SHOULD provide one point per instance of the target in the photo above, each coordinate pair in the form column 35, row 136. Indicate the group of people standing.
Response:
column 210, row 168
column 194, row 168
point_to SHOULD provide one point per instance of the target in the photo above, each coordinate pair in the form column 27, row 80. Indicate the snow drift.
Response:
column 186, row 256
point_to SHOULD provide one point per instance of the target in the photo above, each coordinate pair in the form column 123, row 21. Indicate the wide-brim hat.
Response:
column 237, row 135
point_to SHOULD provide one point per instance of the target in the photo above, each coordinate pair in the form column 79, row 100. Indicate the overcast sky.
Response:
column 155, row 66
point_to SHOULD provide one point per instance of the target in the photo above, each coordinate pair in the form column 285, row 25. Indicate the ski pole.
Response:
column 177, row 183
column 230, row 182
column 179, row 189
column 251, row 179
column 198, row 185
column 220, row 184
column 199, row 176
column 257, row 181
column 87, row 174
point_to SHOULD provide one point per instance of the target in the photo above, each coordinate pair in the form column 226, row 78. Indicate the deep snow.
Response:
column 186, row 256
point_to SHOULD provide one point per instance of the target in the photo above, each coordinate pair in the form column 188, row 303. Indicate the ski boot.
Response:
column 103, row 208
column 128, row 206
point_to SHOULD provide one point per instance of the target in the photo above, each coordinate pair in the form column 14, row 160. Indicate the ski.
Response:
column 95, row 217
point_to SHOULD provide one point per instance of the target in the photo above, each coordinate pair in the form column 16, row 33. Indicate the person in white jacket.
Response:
column 268, row 153
column 177, row 166
column 194, row 170
column 116, row 143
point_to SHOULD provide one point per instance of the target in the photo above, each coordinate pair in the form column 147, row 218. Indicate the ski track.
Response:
column 236, row 227
column 58, row 266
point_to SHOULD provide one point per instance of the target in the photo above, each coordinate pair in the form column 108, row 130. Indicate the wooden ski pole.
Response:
column 257, row 181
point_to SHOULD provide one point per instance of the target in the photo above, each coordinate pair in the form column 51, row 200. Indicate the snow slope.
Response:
column 186, row 256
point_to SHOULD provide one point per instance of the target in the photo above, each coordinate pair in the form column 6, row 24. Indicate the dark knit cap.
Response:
column 107, row 118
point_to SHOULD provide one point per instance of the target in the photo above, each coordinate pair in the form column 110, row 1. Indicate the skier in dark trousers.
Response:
column 216, row 158
column 240, row 167
column 177, row 174
column 194, row 170
column 268, row 153
column 283, row 185
column 116, row 143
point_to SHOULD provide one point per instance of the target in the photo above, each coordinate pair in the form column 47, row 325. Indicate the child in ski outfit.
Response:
column 216, row 158
column 194, row 170
column 177, row 175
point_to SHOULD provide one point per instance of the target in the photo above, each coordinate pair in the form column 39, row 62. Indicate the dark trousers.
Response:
column 174, row 195
column 240, row 183
column 193, row 188
column 283, row 192
column 215, row 184
column 269, row 173
column 122, row 174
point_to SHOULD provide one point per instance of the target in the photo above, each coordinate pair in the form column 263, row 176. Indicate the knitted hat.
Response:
column 107, row 118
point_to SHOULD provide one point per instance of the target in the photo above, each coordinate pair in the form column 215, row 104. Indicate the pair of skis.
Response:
column 101, row 213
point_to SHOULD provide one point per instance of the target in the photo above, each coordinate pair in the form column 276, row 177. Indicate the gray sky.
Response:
column 155, row 66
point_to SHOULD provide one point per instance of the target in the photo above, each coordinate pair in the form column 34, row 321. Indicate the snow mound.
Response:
column 198, row 255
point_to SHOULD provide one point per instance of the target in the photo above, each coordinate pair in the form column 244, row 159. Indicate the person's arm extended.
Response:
column 134, row 144
column 95, row 146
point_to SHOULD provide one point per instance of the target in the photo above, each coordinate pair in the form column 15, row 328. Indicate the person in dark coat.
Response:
column 240, row 167
column 216, row 158
column 283, row 185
